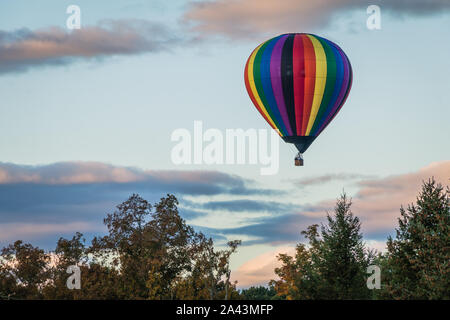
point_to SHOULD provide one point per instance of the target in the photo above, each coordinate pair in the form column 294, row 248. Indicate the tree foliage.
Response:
column 332, row 265
column 23, row 271
column 259, row 293
column 417, row 262
column 149, row 252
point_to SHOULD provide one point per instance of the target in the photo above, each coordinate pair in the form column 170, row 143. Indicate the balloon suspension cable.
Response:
column 294, row 148
column 299, row 160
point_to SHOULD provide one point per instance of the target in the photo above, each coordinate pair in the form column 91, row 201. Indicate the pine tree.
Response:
column 258, row 293
column 417, row 264
column 343, row 259
column 332, row 266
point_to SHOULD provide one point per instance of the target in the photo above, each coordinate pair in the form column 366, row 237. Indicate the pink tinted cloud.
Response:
column 78, row 172
column 377, row 202
column 68, row 173
column 24, row 48
column 26, row 231
column 247, row 18
column 259, row 270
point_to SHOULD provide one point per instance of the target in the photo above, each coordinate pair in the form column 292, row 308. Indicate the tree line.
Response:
column 149, row 252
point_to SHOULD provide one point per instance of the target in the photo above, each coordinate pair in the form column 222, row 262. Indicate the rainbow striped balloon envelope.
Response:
column 298, row 82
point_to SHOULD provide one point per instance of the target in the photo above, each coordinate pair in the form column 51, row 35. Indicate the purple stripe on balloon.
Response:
column 344, row 87
column 277, row 84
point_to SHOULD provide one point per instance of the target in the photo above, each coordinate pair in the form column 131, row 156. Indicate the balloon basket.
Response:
column 299, row 160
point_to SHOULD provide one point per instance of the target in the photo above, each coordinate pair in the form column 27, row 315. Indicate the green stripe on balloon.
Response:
column 329, row 85
column 258, row 83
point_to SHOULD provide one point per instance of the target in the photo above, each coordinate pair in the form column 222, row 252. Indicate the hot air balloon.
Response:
column 298, row 82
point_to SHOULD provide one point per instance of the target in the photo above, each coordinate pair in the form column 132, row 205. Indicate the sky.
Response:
column 86, row 117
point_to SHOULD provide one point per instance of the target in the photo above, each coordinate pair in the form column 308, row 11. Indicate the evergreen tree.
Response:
column 343, row 259
column 332, row 266
column 417, row 264
column 258, row 293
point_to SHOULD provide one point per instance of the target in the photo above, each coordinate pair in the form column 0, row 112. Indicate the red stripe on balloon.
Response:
column 298, row 58
column 310, row 80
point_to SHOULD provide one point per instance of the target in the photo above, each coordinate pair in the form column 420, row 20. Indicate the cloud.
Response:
column 260, row 270
column 42, row 203
column 245, row 205
column 67, row 173
column 329, row 178
column 94, row 173
column 249, row 18
column 376, row 203
column 23, row 49
column 274, row 230
column 26, row 231
column 75, row 192
column 83, row 192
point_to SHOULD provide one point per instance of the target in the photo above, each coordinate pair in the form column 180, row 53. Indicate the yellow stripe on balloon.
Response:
column 321, row 79
column 251, row 81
